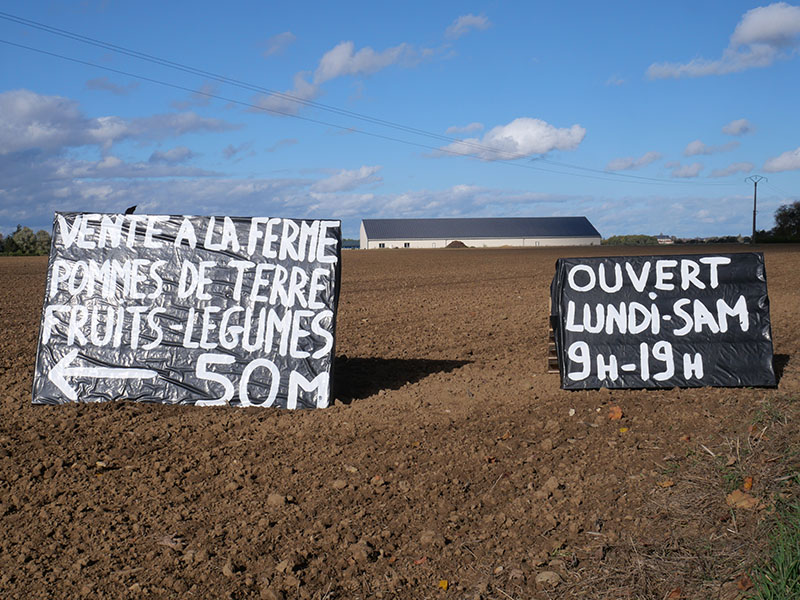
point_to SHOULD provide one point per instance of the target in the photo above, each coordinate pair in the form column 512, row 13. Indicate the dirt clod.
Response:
column 548, row 579
column 276, row 500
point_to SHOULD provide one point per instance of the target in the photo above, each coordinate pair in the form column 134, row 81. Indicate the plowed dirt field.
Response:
column 451, row 465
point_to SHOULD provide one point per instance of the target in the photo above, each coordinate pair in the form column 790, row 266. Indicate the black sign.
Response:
column 189, row 310
column 662, row 321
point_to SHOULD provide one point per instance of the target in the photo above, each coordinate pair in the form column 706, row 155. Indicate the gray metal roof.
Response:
column 458, row 229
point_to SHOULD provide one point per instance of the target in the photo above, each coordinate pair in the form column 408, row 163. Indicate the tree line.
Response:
column 787, row 225
column 787, row 229
column 23, row 242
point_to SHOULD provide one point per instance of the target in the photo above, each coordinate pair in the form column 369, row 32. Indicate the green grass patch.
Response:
column 767, row 414
column 779, row 577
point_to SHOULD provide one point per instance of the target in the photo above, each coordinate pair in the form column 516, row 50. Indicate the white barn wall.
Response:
column 479, row 243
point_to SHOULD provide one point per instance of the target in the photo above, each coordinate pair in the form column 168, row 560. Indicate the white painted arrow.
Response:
column 59, row 373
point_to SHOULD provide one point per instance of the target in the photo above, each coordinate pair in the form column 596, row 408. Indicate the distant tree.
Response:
column 787, row 221
column 24, row 240
column 631, row 240
column 2, row 243
column 42, row 242
column 10, row 246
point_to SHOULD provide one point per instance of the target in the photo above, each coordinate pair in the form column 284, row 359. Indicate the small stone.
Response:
column 227, row 569
column 270, row 594
column 551, row 484
column 359, row 552
column 548, row 579
column 377, row 481
column 498, row 570
column 546, row 445
column 339, row 484
column 282, row 566
column 430, row 538
column 276, row 500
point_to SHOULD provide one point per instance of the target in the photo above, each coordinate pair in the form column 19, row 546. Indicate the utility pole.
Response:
column 755, row 179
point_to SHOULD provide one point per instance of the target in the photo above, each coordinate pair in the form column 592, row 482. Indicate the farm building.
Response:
column 479, row 233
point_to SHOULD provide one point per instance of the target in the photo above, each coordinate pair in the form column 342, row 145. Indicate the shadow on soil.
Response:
column 779, row 362
column 358, row 378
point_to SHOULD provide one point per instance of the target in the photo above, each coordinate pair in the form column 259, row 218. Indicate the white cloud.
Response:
column 172, row 156
column 201, row 97
column 33, row 186
column 284, row 143
column 738, row 127
column 342, row 60
column 788, row 161
column 173, row 124
column 697, row 147
column 111, row 167
column 733, row 169
column 29, row 120
column 104, row 84
column 764, row 35
column 466, row 23
column 291, row 101
column 614, row 80
column 706, row 215
column 51, row 123
column 519, row 138
column 31, row 190
column 456, row 129
column 346, row 180
column 230, row 150
column 627, row 163
column 686, row 171
column 777, row 25
column 278, row 43
column 732, row 62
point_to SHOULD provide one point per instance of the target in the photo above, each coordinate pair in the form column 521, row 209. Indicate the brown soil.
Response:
column 449, row 467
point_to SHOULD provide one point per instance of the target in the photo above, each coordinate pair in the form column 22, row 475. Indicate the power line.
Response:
column 655, row 179
column 214, row 76
column 784, row 194
column 245, row 85
column 502, row 156
column 287, row 114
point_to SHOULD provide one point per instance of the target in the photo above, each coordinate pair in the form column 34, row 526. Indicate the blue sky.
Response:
column 644, row 117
